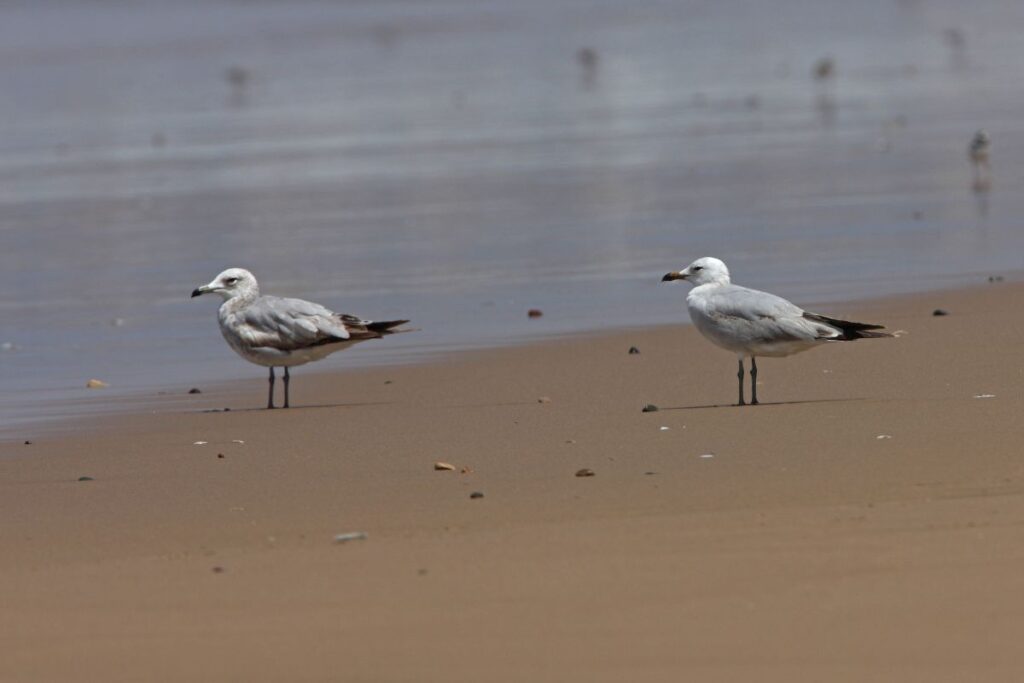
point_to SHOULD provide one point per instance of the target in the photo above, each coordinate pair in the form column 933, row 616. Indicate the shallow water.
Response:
column 455, row 163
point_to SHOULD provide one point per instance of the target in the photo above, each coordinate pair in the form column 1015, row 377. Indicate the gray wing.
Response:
column 291, row 324
column 760, row 316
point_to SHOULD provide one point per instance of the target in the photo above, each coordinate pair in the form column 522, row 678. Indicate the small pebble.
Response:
column 85, row 479
column 633, row 350
column 585, row 472
column 476, row 494
column 350, row 536
column 194, row 390
column 28, row 443
column 544, row 399
column 649, row 473
column 881, row 437
column 220, row 455
column 466, row 470
column 218, row 570
column 444, row 466
column 663, row 429
column 707, row 455
column 387, row 381
column 96, row 384
column 940, row 311
column 649, row 408
column 535, row 313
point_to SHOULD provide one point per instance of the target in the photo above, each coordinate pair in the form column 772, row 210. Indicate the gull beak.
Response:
column 200, row 290
column 674, row 275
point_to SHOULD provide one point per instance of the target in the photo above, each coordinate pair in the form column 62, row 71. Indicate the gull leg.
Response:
column 287, row 377
column 270, row 396
column 740, row 375
column 753, row 381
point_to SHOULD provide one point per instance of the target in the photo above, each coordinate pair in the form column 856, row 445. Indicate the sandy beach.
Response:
column 862, row 524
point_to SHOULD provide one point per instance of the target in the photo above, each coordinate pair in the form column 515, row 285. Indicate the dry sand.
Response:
column 807, row 548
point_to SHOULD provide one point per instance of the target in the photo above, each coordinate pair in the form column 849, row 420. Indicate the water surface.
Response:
column 456, row 163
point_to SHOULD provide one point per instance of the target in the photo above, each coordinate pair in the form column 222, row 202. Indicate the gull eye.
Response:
column 696, row 268
column 230, row 281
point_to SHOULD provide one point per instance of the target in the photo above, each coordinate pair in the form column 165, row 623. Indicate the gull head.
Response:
column 232, row 283
column 706, row 270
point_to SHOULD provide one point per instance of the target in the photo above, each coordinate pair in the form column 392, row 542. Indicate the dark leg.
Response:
column 753, row 381
column 270, row 396
column 286, row 378
column 740, row 375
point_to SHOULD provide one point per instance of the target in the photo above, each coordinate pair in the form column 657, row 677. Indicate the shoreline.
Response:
column 862, row 523
column 236, row 389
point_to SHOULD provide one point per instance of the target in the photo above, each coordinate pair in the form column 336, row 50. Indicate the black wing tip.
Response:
column 850, row 330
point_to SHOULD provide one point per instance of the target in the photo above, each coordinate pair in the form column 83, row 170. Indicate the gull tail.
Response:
column 848, row 331
column 386, row 327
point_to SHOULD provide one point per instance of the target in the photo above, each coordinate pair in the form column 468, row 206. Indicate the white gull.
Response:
column 276, row 332
column 751, row 323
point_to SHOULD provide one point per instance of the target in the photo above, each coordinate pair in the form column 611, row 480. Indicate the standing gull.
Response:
column 751, row 323
column 271, row 331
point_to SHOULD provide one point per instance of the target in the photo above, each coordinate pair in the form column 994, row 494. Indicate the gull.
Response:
column 751, row 323
column 276, row 332
column 978, row 152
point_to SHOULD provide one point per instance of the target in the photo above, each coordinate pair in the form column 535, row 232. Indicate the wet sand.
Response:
column 807, row 548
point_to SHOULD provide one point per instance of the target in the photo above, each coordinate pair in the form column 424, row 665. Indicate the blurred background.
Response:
column 461, row 162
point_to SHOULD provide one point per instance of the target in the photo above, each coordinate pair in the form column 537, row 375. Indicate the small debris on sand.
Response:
column 220, row 455
column 585, row 472
column 882, row 437
column 633, row 350
column 707, row 456
column 28, row 443
column 476, row 494
column 544, row 399
column 96, row 384
column 466, row 470
column 85, row 479
column 217, row 570
column 984, row 396
column 649, row 408
column 444, row 466
column 940, row 312
column 200, row 443
column 351, row 536
column 995, row 278
column 194, row 390
column 535, row 313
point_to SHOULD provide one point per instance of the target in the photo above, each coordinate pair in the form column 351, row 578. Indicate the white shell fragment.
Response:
column 883, row 436
column 707, row 455
column 984, row 396
column 200, row 443
column 350, row 536
column 663, row 429
column 444, row 466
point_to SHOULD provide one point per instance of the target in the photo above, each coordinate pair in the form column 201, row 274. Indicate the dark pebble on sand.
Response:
column 633, row 350
column 649, row 408
column 940, row 311
column 476, row 494
column 28, row 443
column 85, row 479
column 585, row 472
column 995, row 278
column 194, row 390
column 218, row 570
column 220, row 455
column 535, row 313
column 650, row 473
